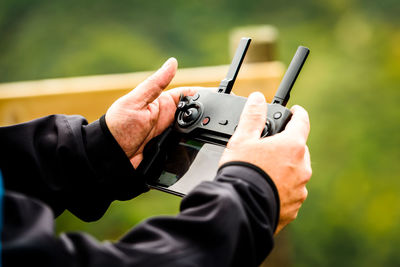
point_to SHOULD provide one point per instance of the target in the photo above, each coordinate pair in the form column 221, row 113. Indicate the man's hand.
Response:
column 284, row 156
column 145, row 112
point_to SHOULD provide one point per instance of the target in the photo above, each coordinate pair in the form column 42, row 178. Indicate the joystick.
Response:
column 188, row 112
column 188, row 151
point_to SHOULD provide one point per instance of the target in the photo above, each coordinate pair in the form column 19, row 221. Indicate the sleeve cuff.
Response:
column 109, row 161
column 253, row 175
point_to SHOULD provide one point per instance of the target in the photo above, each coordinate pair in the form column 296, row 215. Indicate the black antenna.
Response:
column 283, row 93
column 226, row 84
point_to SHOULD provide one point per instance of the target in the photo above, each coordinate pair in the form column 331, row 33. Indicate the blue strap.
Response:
column 1, row 214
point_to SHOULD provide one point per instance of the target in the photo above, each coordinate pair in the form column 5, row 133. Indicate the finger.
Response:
column 299, row 124
column 253, row 117
column 304, row 195
column 153, row 86
column 307, row 158
column 307, row 163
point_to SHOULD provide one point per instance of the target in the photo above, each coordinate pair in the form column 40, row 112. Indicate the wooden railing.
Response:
column 90, row 96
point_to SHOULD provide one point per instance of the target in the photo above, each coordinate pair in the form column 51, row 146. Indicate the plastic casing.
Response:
column 221, row 112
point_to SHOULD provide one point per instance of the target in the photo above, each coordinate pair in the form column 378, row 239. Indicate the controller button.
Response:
column 206, row 120
column 277, row 115
column 181, row 105
column 223, row 122
column 196, row 96
column 190, row 115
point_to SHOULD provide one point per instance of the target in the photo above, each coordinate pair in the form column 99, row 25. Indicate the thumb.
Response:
column 254, row 115
column 152, row 87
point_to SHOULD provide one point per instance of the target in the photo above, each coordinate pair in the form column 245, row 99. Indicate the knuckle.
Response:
column 300, row 150
column 304, row 195
column 297, row 147
column 305, row 118
column 302, row 114
column 294, row 216
column 308, row 174
column 305, row 174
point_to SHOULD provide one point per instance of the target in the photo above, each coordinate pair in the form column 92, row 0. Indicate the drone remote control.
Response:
column 188, row 152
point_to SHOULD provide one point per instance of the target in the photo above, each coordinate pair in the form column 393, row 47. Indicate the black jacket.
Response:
column 61, row 162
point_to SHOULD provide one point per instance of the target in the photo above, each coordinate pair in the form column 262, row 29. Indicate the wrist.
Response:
column 258, row 177
column 116, row 173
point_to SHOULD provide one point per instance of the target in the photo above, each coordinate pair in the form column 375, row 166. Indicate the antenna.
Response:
column 282, row 95
column 226, row 84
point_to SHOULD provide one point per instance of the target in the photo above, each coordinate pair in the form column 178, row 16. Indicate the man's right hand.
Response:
column 284, row 157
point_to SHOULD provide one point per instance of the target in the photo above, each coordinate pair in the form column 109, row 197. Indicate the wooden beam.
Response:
column 90, row 96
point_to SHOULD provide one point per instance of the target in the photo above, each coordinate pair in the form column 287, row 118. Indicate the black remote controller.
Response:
column 188, row 151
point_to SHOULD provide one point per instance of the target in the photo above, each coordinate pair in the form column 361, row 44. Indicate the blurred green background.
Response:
column 350, row 86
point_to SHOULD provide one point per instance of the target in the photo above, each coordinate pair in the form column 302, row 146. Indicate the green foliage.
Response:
column 350, row 87
column 121, row 216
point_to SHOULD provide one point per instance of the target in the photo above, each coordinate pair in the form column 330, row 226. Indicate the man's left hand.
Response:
column 145, row 112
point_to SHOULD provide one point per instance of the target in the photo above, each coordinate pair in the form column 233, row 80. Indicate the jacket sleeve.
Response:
column 68, row 164
column 226, row 222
